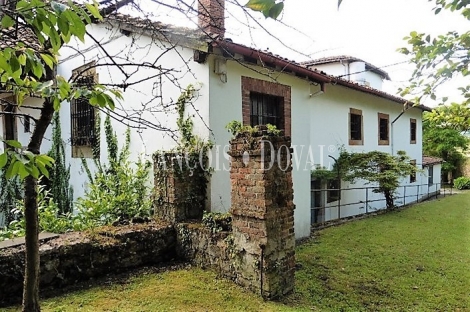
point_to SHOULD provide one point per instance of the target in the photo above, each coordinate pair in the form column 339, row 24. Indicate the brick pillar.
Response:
column 263, row 213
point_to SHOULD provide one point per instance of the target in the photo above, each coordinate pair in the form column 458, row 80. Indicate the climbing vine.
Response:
column 119, row 189
column 58, row 183
column 186, row 163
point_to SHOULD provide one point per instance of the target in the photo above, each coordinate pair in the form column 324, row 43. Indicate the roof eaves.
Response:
column 382, row 94
column 232, row 48
column 186, row 37
column 431, row 160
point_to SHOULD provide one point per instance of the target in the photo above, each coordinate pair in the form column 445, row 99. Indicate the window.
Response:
column 430, row 175
column 83, row 117
column 413, row 175
column 383, row 129
column 355, row 127
column 266, row 102
column 333, row 190
column 265, row 109
column 413, row 131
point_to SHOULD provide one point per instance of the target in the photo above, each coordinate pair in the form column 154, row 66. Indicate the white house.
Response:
column 318, row 110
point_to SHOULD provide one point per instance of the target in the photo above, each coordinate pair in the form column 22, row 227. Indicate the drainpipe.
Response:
column 391, row 129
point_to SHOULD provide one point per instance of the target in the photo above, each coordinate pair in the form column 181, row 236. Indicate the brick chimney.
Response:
column 212, row 16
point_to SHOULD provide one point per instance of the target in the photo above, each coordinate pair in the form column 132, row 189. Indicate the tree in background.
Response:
column 439, row 59
column 380, row 168
column 445, row 140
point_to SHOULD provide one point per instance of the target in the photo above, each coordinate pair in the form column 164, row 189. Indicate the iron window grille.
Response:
column 83, row 117
column 265, row 109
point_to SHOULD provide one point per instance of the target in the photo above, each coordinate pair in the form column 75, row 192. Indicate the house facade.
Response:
column 319, row 111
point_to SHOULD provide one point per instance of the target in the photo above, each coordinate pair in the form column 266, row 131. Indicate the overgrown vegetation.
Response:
column 217, row 222
column 409, row 260
column 236, row 127
column 58, row 182
column 118, row 191
column 187, row 162
column 11, row 191
column 462, row 183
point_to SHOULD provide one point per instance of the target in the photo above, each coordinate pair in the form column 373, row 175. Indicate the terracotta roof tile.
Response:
column 430, row 160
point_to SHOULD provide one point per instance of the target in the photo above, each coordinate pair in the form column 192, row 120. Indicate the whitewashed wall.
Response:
column 146, row 141
column 330, row 130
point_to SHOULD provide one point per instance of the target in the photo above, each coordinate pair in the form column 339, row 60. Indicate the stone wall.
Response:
column 79, row 256
column 180, row 186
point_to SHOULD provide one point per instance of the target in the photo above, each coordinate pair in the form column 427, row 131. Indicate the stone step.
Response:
column 17, row 241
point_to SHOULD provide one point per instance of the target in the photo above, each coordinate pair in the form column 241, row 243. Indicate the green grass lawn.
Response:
column 417, row 259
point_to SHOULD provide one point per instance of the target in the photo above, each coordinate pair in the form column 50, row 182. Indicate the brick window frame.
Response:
column 383, row 139
column 413, row 131
column 353, row 111
column 250, row 85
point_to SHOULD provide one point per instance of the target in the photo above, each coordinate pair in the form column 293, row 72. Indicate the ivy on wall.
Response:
column 58, row 183
column 185, row 164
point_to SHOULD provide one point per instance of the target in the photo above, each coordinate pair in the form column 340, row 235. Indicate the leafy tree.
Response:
column 376, row 167
column 28, row 67
column 443, row 140
column 439, row 59
column 454, row 116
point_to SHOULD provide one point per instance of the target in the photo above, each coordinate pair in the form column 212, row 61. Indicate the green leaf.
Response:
column 260, row 5
column 94, row 10
column 49, row 60
column 276, row 10
column 7, row 21
column 35, row 172
column 58, row 7
column 42, row 168
column 3, row 160
column 14, row 143
column 23, row 173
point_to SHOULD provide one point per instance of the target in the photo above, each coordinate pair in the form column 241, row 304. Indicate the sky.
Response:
column 372, row 30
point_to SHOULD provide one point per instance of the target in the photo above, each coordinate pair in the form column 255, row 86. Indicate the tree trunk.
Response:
column 389, row 199
column 31, row 277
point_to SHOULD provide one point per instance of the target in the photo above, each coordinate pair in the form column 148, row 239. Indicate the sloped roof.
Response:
column 10, row 37
column 184, row 36
column 430, row 160
column 348, row 59
column 299, row 69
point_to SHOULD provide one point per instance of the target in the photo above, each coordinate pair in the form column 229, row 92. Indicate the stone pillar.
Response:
column 263, row 213
column 180, row 187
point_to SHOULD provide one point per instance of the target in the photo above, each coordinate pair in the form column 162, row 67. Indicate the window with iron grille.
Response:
column 83, row 117
column 355, row 127
column 266, row 109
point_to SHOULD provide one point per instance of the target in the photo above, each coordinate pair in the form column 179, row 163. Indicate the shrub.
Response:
column 118, row 191
column 462, row 183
